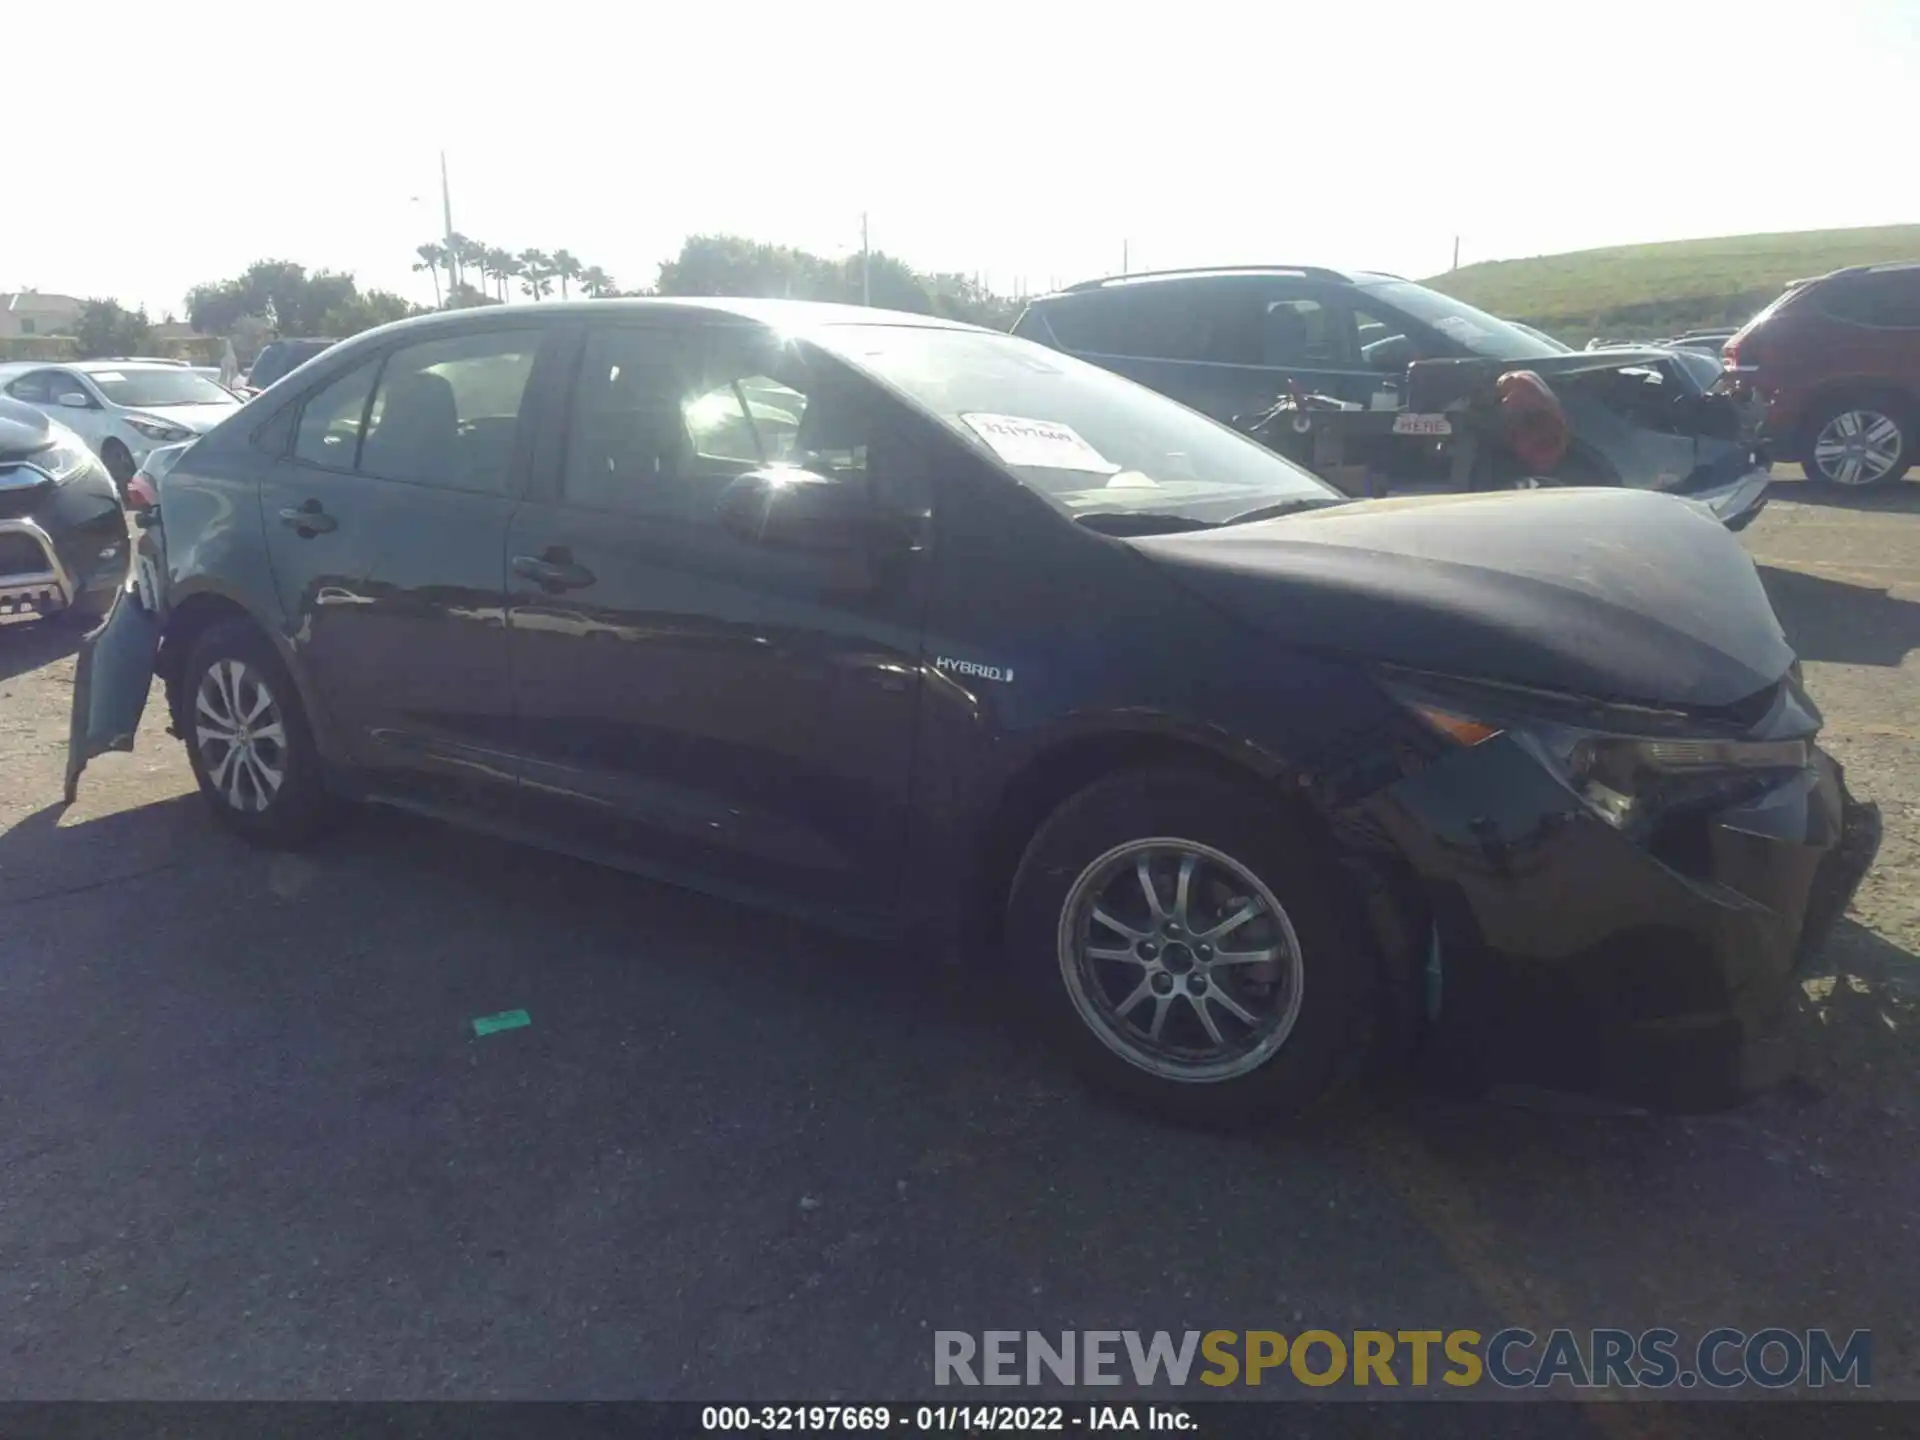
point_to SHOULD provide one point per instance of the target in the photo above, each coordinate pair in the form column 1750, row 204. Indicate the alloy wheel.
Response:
column 1857, row 447
column 1180, row 960
column 240, row 734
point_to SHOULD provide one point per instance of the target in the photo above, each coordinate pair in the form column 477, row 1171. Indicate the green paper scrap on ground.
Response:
column 505, row 1020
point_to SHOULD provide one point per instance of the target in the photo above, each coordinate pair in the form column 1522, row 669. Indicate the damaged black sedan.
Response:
column 923, row 630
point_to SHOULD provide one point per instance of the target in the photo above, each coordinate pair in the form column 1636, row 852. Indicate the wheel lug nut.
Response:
column 1163, row 984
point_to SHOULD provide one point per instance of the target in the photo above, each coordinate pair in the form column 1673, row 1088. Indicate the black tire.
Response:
column 1330, row 1030
column 281, row 816
column 119, row 462
column 1873, row 409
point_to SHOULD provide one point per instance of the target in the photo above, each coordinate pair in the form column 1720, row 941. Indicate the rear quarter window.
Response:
column 1887, row 300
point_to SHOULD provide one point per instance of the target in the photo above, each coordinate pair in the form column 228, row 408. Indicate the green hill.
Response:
column 1645, row 291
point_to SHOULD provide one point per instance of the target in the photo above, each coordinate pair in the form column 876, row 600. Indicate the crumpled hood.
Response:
column 1615, row 594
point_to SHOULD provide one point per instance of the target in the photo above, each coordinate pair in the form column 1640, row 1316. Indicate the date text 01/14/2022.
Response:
column 937, row 1419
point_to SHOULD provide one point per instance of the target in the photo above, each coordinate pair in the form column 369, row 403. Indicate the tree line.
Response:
column 284, row 297
column 536, row 270
column 715, row 265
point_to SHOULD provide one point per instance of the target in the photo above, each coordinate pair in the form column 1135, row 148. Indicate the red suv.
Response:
column 1837, row 362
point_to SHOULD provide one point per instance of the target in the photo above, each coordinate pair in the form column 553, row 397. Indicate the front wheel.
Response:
column 1187, row 947
column 1860, row 443
column 248, row 739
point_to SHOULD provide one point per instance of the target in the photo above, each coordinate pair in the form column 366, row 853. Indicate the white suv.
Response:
column 122, row 408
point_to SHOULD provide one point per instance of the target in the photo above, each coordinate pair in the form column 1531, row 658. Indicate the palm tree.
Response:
column 596, row 282
column 566, row 267
column 496, row 263
column 473, row 255
column 507, row 267
column 432, row 257
column 538, row 266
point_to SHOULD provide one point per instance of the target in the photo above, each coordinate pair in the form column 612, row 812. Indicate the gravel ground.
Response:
column 249, row 1145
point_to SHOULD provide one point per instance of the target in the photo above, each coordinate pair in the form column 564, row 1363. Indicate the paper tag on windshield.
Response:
column 1038, row 444
column 1457, row 327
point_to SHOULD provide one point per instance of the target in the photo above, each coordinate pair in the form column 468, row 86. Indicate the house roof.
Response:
column 36, row 302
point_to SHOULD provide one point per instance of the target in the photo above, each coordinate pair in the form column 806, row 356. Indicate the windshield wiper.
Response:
column 1139, row 522
column 1285, row 507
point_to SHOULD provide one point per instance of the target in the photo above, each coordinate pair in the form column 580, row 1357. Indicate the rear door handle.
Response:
column 309, row 519
column 553, row 572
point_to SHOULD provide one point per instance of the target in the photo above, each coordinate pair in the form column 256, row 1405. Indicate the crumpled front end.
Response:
column 1643, row 419
column 1642, row 948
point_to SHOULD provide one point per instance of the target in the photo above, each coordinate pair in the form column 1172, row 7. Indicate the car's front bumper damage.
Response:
column 61, row 546
column 1566, row 955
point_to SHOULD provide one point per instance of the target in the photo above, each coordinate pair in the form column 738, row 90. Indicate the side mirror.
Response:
column 798, row 509
column 74, row 400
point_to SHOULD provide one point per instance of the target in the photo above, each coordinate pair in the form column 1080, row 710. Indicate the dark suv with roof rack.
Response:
column 1230, row 341
column 1836, row 360
column 282, row 357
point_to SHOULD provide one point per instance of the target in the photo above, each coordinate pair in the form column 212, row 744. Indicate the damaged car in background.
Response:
column 1385, row 387
column 63, row 545
column 953, row 638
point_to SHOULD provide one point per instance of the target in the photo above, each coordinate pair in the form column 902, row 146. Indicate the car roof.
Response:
column 793, row 315
column 1323, row 273
column 1889, row 267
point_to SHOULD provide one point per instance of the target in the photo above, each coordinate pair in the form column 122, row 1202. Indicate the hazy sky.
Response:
column 1023, row 141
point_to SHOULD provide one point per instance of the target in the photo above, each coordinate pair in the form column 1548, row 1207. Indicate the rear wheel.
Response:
column 1186, row 947
column 1860, row 442
column 248, row 739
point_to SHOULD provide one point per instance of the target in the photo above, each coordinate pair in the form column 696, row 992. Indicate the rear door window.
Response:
column 34, row 386
column 329, row 430
column 1300, row 331
column 446, row 412
column 1223, row 321
column 1888, row 300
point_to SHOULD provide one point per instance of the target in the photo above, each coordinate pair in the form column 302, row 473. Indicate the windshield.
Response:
column 1085, row 439
column 1474, row 331
column 160, row 386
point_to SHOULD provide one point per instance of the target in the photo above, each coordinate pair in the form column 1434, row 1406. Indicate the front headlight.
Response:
column 157, row 429
column 65, row 458
column 1621, row 776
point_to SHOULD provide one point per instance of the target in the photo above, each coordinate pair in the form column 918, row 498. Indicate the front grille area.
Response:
column 18, row 502
column 21, row 555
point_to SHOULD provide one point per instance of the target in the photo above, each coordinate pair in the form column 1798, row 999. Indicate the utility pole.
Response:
column 1123, row 257
column 1456, row 252
column 446, row 214
column 866, row 277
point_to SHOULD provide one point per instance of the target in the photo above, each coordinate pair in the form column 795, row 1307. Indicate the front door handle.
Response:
column 308, row 520
column 554, row 571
